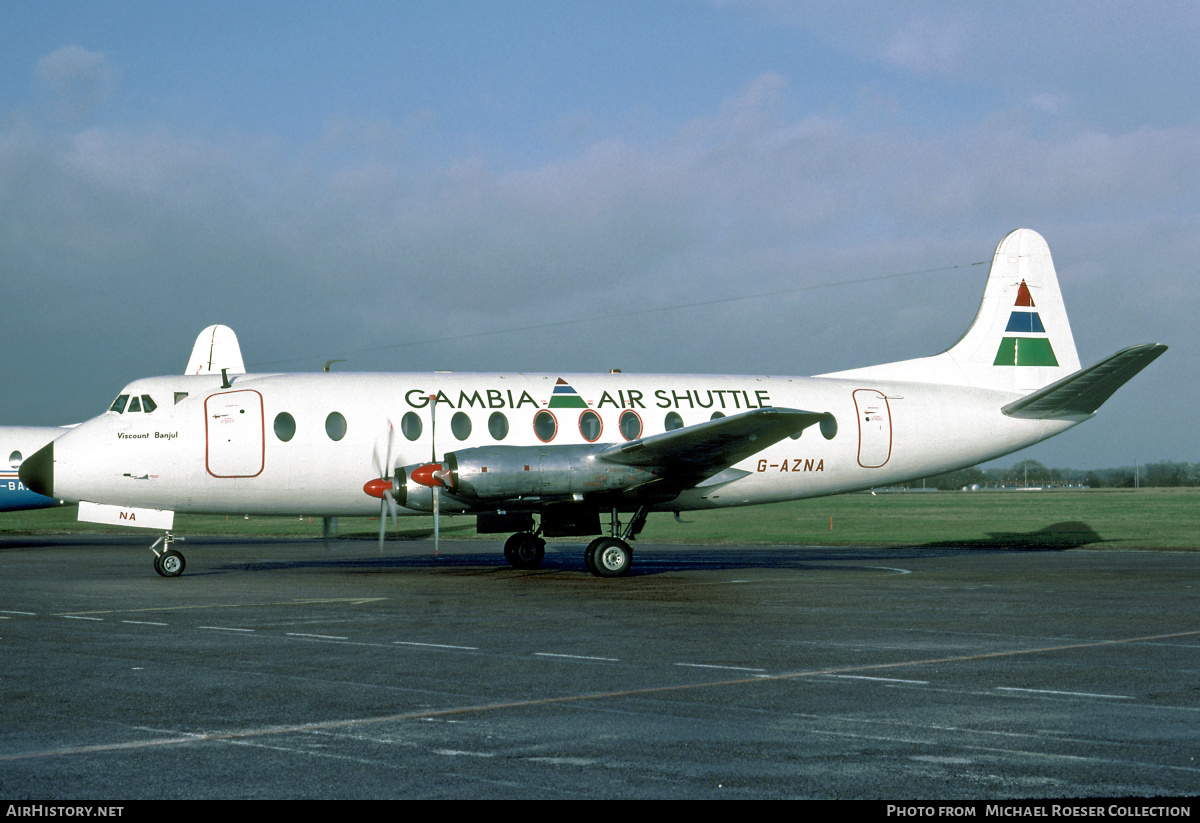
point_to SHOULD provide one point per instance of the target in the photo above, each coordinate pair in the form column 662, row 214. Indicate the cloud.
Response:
column 131, row 240
column 931, row 45
column 75, row 82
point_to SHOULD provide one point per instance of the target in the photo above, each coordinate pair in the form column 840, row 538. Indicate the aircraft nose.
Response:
column 37, row 471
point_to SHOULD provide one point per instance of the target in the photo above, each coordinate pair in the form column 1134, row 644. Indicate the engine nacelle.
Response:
column 419, row 497
column 495, row 473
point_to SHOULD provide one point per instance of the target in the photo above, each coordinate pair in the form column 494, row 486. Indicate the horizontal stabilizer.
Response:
column 691, row 454
column 1081, row 393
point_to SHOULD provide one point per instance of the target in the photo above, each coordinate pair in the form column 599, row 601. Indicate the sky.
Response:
column 574, row 187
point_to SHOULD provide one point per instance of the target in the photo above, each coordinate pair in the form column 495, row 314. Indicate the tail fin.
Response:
column 1019, row 341
column 216, row 348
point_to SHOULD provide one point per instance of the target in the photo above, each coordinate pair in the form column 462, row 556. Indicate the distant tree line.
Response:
column 1033, row 473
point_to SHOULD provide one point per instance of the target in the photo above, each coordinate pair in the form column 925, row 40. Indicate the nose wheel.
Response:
column 168, row 562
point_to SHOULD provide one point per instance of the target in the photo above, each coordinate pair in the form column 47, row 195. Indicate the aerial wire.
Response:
column 637, row 312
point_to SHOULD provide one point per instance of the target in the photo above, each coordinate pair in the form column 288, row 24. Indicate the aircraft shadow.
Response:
column 654, row 559
column 1070, row 534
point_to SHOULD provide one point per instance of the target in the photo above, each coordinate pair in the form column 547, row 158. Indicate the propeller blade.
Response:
column 387, row 502
column 382, row 522
column 434, row 459
column 393, row 510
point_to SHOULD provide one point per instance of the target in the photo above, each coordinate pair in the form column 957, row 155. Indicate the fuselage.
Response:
column 17, row 443
column 307, row 443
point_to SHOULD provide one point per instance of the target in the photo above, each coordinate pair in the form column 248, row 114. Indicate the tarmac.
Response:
column 283, row 669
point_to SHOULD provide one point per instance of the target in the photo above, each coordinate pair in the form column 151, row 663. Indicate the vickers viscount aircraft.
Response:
column 216, row 348
column 575, row 450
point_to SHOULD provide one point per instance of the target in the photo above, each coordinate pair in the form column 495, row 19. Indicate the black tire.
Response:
column 170, row 564
column 610, row 557
column 589, row 554
column 524, row 551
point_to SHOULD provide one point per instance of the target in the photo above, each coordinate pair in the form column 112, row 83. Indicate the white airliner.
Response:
column 216, row 348
column 577, row 450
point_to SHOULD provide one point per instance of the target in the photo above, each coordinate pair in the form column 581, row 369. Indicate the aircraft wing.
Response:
column 691, row 454
column 1084, row 391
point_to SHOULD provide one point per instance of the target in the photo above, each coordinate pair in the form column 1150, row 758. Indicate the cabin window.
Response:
column 498, row 425
column 285, row 426
column 630, row 425
column 460, row 425
column 673, row 421
column 545, row 426
column 148, row 405
column 717, row 415
column 590, row 426
column 118, row 405
column 335, row 426
column 14, row 459
column 410, row 425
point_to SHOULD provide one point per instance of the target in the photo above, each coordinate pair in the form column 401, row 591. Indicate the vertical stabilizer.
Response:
column 216, row 348
column 1019, row 341
column 1021, row 338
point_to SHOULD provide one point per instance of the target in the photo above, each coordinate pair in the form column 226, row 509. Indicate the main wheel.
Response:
column 589, row 554
column 524, row 550
column 609, row 557
column 169, row 564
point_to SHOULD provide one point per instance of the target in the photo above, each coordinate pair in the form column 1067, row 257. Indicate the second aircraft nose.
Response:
column 37, row 471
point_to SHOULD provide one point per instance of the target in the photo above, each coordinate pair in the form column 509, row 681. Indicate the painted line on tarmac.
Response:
column 353, row 601
column 726, row 668
column 435, row 645
column 429, row 714
column 1067, row 694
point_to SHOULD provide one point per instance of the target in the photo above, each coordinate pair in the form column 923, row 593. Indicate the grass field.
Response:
column 1110, row 518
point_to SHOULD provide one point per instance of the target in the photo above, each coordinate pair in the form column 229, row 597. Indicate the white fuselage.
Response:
column 307, row 443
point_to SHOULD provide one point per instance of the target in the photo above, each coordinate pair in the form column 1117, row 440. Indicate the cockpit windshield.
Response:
column 133, row 404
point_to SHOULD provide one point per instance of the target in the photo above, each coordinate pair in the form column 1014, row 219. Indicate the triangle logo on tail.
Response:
column 1025, row 351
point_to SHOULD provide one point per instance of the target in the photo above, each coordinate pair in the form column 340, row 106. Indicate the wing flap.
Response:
column 691, row 454
column 1081, row 393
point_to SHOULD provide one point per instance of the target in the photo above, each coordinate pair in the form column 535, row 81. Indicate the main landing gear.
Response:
column 168, row 562
column 524, row 550
column 603, row 557
column 608, row 557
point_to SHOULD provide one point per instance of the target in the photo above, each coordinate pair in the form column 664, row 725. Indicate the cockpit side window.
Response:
column 148, row 405
column 118, row 405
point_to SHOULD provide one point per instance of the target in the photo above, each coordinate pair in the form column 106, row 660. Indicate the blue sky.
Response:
column 372, row 180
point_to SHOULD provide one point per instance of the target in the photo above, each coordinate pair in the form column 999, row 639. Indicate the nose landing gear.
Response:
column 168, row 562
